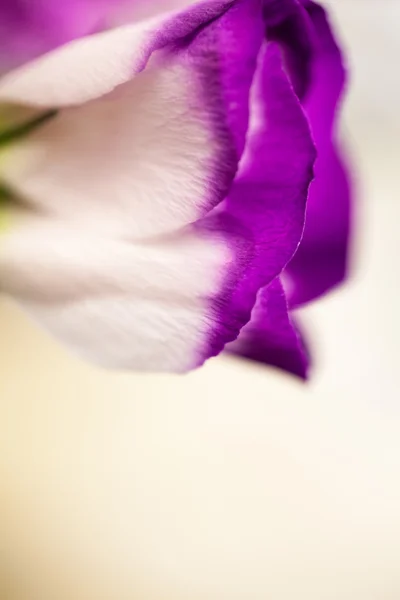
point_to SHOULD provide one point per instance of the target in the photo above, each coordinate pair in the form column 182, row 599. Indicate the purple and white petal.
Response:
column 117, row 303
column 271, row 336
column 160, row 147
column 95, row 65
column 322, row 259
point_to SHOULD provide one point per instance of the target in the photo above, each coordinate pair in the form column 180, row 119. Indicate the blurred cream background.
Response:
column 235, row 482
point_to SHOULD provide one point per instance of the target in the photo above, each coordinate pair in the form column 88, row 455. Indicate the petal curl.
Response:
column 161, row 149
column 271, row 336
column 268, row 198
column 322, row 259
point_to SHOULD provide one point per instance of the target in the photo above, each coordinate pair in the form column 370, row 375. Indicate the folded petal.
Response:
column 321, row 261
column 160, row 147
column 268, row 198
column 271, row 337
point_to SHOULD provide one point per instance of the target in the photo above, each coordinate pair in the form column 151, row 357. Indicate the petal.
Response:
column 162, row 148
column 271, row 337
column 268, row 199
column 117, row 303
column 321, row 261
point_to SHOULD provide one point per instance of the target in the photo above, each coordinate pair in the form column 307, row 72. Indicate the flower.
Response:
column 155, row 165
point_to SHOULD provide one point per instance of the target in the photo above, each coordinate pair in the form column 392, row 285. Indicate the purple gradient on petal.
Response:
column 221, row 57
column 321, row 261
column 263, row 217
column 240, row 34
column 271, row 337
column 223, row 51
column 223, row 54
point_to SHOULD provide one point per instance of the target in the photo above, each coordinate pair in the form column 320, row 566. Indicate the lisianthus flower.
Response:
column 155, row 165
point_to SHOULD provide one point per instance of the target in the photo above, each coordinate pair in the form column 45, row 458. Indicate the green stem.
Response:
column 10, row 135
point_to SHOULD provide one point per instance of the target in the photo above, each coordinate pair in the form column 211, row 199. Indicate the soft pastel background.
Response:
column 236, row 482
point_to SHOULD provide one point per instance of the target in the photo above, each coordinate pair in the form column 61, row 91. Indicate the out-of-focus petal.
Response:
column 125, row 11
column 271, row 337
column 29, row 29
column 321, row 261
column 161, row 149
